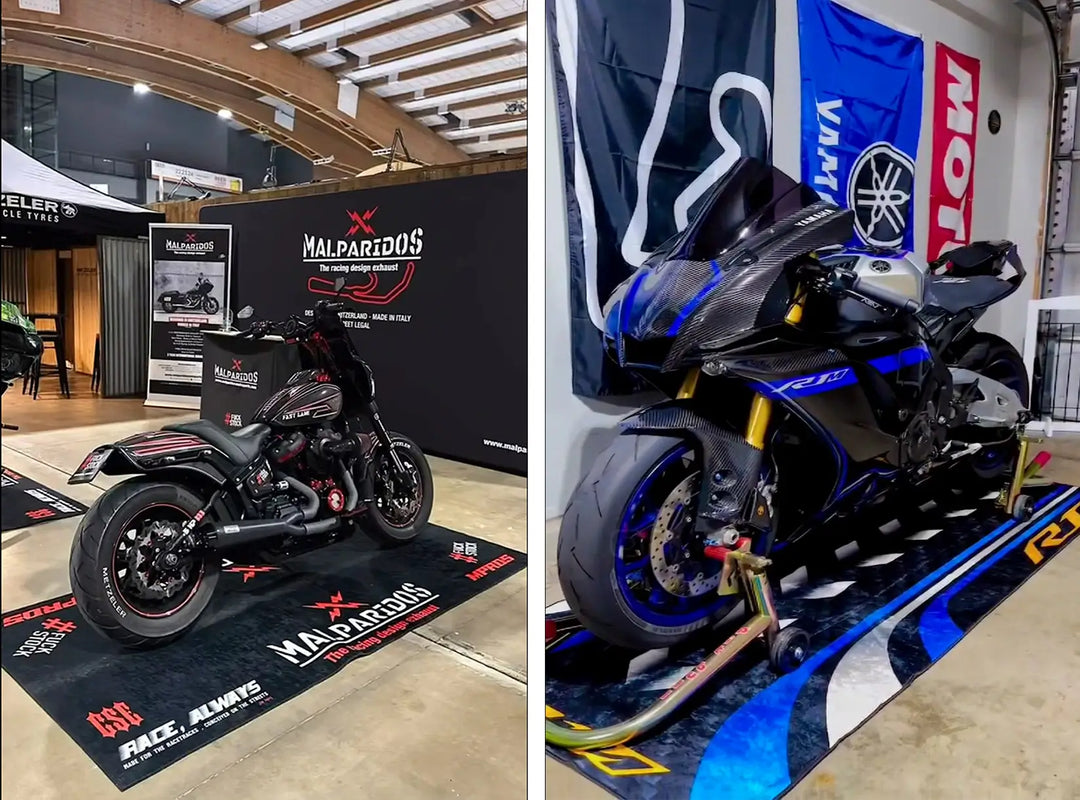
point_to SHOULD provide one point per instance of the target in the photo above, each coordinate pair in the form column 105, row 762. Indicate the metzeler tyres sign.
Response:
column 190, row 270
column 434, row 298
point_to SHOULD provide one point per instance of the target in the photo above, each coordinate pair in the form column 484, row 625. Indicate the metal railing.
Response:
column 1052, row 358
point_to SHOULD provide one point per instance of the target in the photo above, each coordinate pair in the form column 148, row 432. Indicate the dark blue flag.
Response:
column 657, row 100
column 861, row 117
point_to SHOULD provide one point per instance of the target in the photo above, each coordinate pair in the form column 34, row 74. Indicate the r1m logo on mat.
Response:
column 618, row 762
column 1053, row 535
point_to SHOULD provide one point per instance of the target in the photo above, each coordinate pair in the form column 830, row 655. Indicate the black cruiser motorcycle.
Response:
column 196, row 299
column 316, row 460
column 805, row 380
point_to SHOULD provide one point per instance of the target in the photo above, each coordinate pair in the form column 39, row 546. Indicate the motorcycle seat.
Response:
column 239, row 446
column 955, row 294
column 977, row 258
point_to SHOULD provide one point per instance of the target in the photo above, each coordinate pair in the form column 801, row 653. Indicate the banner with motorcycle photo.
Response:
column 657, row 100
column 190, row 269
column 862, row 86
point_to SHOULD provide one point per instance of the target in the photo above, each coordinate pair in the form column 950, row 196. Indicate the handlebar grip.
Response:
column 883, row 295
column 335, row 306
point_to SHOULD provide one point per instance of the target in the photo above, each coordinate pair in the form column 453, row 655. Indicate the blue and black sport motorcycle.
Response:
column 806, row 380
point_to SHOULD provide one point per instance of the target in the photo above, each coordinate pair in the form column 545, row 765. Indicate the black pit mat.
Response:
column 270, row 634
column 24, row 502
column 879, row 612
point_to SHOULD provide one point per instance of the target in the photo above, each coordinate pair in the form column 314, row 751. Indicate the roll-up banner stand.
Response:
column 190, row 266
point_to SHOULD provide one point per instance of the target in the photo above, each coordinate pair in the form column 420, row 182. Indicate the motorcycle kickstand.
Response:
column 742, row 572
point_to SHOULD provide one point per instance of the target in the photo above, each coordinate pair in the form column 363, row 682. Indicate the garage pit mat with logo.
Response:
column 880, row 609
column 270, row 633
column 24, row 502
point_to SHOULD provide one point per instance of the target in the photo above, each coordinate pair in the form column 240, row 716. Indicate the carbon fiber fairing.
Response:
column 742, row 301
column 731, row 466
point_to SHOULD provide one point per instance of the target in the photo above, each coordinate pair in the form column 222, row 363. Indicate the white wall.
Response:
column 1009, row 184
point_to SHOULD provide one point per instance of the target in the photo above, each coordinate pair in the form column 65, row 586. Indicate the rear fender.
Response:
column 154, row 453
column 731, row 467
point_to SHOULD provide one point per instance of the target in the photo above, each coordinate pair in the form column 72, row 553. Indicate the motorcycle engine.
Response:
column 924, row 438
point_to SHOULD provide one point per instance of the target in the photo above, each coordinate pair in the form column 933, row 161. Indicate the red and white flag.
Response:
column 952, row 173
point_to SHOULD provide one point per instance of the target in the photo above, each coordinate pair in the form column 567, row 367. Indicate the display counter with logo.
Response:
column 240, row 373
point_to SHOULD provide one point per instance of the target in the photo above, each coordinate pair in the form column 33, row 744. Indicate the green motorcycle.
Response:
column 20, row 347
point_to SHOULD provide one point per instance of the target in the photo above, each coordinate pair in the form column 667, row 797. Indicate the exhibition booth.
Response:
column 74, row 261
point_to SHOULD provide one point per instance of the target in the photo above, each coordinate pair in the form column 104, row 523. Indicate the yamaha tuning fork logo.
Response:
column 880, row 192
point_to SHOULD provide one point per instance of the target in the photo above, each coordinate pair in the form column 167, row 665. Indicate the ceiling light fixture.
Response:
column 224, row 113
column 141, row 88
column 259, row 45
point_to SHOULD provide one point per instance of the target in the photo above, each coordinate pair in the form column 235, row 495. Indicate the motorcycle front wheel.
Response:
column 211, row 305
column 630, row 565
column 118, row 588
column 402, row 504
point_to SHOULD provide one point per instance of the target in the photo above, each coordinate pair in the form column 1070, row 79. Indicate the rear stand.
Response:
column 787, row 649
column 1017, row 504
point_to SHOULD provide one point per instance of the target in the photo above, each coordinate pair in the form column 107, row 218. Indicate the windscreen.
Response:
column 660, row 297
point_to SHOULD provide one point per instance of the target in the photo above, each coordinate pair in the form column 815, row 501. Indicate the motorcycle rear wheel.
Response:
column 113, row 535
column 998, row 360
column 608, row 554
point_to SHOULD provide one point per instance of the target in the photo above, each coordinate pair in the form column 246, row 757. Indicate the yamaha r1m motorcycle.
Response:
column 197, row 299
column 316, row 460
column 805, row 381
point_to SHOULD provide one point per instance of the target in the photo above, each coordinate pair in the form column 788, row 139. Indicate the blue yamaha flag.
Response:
column 657, row 100
column 861, row 115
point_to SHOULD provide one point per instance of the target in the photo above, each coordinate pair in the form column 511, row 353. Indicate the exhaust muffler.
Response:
column 234, row 534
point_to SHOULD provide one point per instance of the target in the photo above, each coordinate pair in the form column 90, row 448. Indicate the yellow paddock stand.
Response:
column 742, row 572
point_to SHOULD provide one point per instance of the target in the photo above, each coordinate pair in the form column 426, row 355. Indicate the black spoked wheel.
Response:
column 211, row 305
column 402, row 496
column 998, row 360
column 127, row 583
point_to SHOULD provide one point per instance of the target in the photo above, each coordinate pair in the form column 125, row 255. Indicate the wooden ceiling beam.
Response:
column 477, row 122
column 306, row 138
column 449, row 64
column 245, row 12
column 168, row 32
column 324, row 18
column 310, row 140
column 478, row 82
column 446, row 40
column 393, row 25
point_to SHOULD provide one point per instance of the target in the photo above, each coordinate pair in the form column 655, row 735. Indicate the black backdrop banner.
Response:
column 189, row 292
column 657, row 100
column 435, row 298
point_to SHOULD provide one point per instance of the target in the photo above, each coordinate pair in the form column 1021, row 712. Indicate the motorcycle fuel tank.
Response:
column 301, row 404
column 900, row 273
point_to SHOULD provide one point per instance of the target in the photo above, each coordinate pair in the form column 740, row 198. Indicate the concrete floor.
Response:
column 996, row 719
column 438, row 714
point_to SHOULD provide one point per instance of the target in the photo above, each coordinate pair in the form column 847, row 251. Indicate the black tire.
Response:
column 211, row 305
column 788, row 650
column 383, row 529
column 166, row 306
column 93, row 575
column 995, row 358
column 588, row 536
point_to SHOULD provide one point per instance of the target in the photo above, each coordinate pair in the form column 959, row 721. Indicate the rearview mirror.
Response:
column 245, row 312
column 339, row 284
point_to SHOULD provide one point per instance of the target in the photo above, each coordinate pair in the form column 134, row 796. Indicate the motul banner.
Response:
column 952, row 173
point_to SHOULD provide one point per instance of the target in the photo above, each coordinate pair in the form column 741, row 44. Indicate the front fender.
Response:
column 731, row 467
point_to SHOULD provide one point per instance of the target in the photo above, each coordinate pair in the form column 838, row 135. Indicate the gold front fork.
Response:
column 761, row 407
